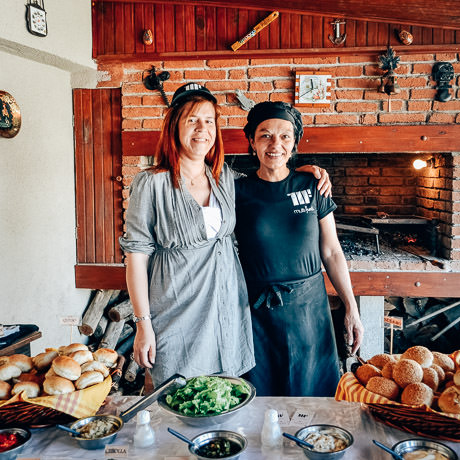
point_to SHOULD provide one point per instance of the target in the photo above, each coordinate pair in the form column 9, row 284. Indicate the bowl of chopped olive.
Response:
column 97, row 431
column 208, row 400
column 218, row 444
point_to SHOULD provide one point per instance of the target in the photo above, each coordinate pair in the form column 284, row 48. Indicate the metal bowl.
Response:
column 97, row 443
column 326, row 429
column 25, row 436
column 210, row 420
column 411, row 445
column 204, row 438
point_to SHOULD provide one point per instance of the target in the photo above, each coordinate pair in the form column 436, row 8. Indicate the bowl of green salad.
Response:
column 208, row 400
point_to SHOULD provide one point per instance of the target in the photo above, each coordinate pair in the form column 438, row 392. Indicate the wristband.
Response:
column 136, row 319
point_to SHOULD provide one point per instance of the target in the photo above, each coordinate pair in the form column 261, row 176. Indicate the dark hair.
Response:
column 267, row 110
column 167, row 154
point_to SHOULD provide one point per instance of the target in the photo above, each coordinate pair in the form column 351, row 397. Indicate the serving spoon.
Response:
column 300, row 441
column 65, row 428
column 387, row 449
column 182, row 437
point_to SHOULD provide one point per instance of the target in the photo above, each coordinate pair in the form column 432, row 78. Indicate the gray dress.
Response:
column 197, row 292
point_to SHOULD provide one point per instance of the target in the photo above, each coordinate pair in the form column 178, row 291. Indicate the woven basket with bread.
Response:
column 55, row 386
column 417, row 391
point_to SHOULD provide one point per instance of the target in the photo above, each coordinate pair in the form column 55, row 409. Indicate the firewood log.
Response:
column 112, row 334
column 121, row 311
column 126, row 347
column 101, row 328
column 117, row 373
column 132, row 370
column 94, row 312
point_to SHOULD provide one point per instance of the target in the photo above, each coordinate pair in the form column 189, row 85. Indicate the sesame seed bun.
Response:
column 66, row 367
column 32, row 389
column 380, row 360
column 449, row 401
column 57, row 386
column 387, row 370
column 443, row 360
column 365, row 372
column 420, row 354
column 407, row 371
column 440, row 371
column 417, row 394
column 383, row 387
column 430, row 378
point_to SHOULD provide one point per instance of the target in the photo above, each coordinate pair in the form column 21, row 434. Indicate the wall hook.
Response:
column 154, row 81
column 442, row 73
column 337, row 39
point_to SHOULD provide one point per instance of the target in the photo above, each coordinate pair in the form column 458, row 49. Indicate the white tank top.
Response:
column 212, row 215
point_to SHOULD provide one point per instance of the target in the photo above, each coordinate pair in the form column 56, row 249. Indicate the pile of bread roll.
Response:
column 416, row 377
column 55, row 371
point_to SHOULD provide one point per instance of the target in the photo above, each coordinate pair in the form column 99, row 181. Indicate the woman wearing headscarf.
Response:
column 285, row 231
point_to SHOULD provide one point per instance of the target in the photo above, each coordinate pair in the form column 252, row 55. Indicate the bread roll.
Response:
column 387, row 371
column 4, row 360
column 420, row 354
column 440, row 372
column 430, row 378
column 383, row 387
column 57, row 386
column 32, row 389
column 43, row 360
column 5, row 390
column 443, row 360
column 407, row 371
column 457, row 378
column 449, row 401
column 456, row 358
column 365, row 372
column 81, row 356
column 74, row 347
column 416, row 394
column 95, row 366
column 22, row 361
column 89, row 378
column 9, row 371
column 50, row 373
column 30, row 377
column 66, row 367
column 106, row 356
column 381, row 359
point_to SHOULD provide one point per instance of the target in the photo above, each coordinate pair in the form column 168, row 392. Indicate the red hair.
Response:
column 167, row 154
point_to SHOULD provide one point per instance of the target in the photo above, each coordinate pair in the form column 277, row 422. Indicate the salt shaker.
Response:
column 144, row 435
column 271, row 435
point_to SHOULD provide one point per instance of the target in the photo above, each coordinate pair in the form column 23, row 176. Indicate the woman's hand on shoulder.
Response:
column 144, row 344
column 324, row 184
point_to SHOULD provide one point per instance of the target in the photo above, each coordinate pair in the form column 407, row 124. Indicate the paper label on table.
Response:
column 301, row 418
column 116, row 451
column 283, row 417
column 395, row 321
column 70, row 321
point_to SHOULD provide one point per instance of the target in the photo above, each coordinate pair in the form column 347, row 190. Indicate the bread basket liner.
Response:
column 78, row 404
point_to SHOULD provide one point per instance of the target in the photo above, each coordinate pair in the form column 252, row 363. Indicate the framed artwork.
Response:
column 312, row 88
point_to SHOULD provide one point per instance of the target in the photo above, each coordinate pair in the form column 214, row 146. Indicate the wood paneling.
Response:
column 209, row 31
column 97, row 115
column 410, row 284
column 334, row 139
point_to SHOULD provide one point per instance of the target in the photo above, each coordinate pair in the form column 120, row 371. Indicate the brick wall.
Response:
column 363, row 184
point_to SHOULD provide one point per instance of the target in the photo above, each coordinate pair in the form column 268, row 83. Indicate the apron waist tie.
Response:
column 271, row 296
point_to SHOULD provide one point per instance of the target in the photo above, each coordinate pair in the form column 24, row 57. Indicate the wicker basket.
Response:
column 422, row 421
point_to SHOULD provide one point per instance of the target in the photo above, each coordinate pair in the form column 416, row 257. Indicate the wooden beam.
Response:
column 404, row 284
column 444, row 13
column 333, row 139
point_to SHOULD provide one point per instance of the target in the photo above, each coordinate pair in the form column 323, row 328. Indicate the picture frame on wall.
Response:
column 312, row 88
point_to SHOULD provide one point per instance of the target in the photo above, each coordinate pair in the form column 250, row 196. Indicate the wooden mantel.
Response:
column 334, row 139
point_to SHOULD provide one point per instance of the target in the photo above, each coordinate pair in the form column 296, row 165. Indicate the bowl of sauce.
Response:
column 12, row 442
column 424, row 449
column 218, row 444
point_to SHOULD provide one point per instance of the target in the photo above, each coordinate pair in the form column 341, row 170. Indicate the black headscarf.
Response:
column 267, row 110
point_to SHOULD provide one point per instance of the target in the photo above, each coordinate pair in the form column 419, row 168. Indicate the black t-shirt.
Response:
column 277, row 227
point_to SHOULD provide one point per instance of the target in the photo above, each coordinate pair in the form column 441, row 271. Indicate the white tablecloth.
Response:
column 53, row 444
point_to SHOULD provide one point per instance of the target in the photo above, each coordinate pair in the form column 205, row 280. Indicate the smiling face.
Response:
column 273, row 143
column 197, row 130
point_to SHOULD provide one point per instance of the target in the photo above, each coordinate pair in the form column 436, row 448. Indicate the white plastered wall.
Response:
column 37, row 206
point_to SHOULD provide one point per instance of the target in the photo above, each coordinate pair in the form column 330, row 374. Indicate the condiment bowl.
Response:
column 24, row 436
column 412, row 445
column 325, row 429
column 97, row 443
column 210, row 420
column 209, row 436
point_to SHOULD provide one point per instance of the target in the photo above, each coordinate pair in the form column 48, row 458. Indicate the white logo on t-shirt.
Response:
column 299, row 198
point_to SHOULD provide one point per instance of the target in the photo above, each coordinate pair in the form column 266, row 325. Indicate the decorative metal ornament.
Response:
column 245, row 103
column 36, row 18
column 405, row 37
column 147, row 37
column 338, row 38
column 154, row 81
column 443, row 73
column 10, row 115
column 389, row 84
